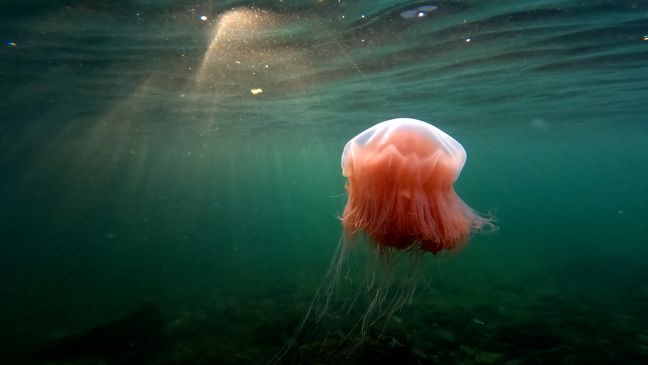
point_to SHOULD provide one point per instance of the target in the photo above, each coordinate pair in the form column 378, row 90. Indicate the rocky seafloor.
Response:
column 523, row 327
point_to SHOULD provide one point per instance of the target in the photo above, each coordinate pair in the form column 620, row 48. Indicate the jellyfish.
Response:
column 400, row 175
column 400, row 198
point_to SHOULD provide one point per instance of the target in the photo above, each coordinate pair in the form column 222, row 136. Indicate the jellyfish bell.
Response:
column 400, row 175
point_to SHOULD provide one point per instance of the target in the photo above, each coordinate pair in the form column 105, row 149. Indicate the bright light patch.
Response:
column 418, row 12
column 408, row 14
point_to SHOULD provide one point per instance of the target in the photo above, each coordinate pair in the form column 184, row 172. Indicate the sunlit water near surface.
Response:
column 170, row 177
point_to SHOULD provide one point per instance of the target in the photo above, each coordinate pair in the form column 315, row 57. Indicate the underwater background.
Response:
column 170, row 177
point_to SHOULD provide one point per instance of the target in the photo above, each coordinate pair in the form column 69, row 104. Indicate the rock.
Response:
column 514, row 362
column 556, row 354
column 488, row 358
column 444, row 335
column 130, row 339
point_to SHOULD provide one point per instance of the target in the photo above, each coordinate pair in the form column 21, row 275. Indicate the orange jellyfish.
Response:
column 400, row 175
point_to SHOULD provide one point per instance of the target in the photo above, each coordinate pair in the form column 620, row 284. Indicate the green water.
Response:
column 137, row 166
